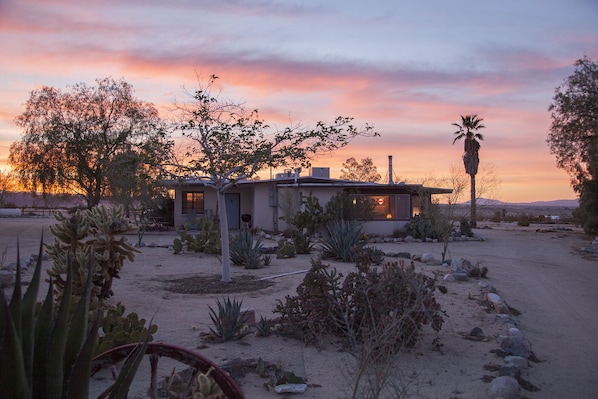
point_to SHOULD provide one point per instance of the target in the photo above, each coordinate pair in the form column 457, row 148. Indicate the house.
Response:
column 264, row 200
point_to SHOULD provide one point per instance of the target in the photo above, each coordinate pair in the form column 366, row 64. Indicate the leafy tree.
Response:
column 75, row 140
column 226, row 143
column 573, row 137
column 468, row 131
column 364, row 171
column 8, row 184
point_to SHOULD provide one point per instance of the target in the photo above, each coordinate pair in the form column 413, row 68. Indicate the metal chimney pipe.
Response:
column 390, row 182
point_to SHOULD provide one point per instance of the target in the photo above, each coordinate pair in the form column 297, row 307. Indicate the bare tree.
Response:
column 227, row 143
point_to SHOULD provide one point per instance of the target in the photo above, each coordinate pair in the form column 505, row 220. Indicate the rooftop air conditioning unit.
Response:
column 320, row 172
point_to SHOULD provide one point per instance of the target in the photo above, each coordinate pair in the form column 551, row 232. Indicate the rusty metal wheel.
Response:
column 157, row 350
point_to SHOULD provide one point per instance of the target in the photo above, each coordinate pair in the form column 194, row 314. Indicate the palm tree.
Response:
column 468, row 130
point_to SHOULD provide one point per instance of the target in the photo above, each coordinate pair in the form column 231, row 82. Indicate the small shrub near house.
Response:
column 206, row 240
column 419, row 227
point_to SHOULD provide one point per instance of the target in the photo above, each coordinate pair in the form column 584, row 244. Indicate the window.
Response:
column 390, row 207
column 192, row 202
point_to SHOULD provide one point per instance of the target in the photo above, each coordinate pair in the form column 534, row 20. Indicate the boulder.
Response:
column 7, row 278
column 427, row 258
column 504, row 387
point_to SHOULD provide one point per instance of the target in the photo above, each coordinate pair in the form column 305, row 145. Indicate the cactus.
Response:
column 285, row 250
column 207, row 240
column 228, row 321
column 49, row 354
column 90, row 233
column 119, row 329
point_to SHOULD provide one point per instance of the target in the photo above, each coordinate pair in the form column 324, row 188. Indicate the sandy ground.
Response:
column 539, row 273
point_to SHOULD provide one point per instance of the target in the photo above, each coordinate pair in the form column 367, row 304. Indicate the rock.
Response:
column 510, row 370
column 515, row 346
column 427, row 258
column 476, row 332
column 517, row 361
column 460, row 276
column 290, row 388
column 409, row 239
column 504, row 387
column 466, row 265
column 449, row 278
column 494, row 298
column 7, row 279
column 505, row 319
column 405, row 255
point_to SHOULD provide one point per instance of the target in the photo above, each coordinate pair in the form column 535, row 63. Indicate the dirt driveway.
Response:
column 540, row 273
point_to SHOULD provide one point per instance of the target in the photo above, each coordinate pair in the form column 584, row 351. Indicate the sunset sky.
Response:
column 410, row 68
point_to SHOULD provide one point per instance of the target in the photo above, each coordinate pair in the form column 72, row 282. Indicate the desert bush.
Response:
column 302, row 242
column 373, row 254
column 465, row 228
column 347, row 205
column 285, row 250
column 228, row 320
column 343, row 236
column 244, row 251
column 419, row 227
column 312, row 215
column 207, row 240
column 362, row 303
column 524, row 221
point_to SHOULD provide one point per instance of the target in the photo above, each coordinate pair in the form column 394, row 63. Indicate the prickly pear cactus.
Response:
column 118, row 329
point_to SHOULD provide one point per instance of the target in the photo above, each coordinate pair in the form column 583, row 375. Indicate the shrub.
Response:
column 343, row 236
column 302, row 242
column 372, row 254
column 285, row 250
column 349, row 206
column 465, row 228
column 523, row 221
column 419, row 227
column 362, row 303
column 207, row 240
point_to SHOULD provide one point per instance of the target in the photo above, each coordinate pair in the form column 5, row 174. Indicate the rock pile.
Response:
column 592, row 248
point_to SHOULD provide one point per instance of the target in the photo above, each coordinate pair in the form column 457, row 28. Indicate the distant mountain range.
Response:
column 571, row 203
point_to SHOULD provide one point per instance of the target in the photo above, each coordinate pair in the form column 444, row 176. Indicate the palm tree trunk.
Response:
column 474, row 217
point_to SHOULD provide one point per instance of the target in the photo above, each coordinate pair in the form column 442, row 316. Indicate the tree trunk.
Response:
column 474, row 217
column 224, row 237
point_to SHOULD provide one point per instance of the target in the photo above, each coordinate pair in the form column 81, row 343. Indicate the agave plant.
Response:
column 245, row 252
column 49, row 354
column 343, row 236
column 228, row 320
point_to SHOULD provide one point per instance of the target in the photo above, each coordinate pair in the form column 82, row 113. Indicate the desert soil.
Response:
column 537, row 270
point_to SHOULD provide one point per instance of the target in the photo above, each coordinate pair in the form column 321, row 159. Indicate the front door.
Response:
column 233, row 210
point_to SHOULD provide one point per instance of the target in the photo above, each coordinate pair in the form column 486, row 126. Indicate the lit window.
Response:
column 193, row 202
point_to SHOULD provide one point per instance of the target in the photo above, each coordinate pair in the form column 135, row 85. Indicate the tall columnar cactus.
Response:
column 90, row 233
column 49, row 354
